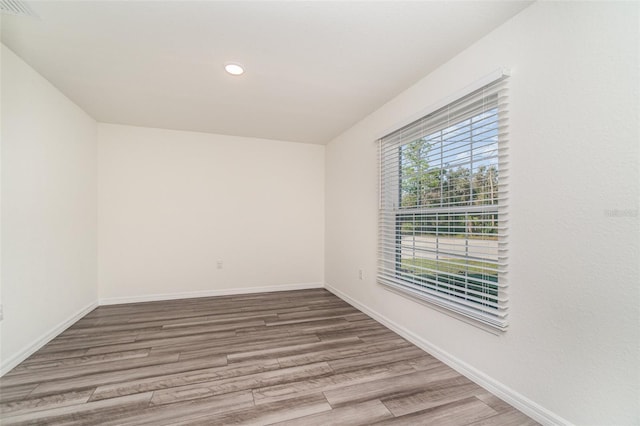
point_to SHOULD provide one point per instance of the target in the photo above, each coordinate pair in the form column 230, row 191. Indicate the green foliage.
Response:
column 460, row 275
column 423, row 185
column 452, row 266
column 453, row 200
column 419, row 183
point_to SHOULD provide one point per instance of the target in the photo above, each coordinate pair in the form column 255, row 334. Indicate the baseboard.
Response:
column 207, row 293
column 25, row 353
column 528, row 407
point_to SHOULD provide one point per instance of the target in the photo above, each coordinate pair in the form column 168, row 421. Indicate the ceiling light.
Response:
column 234, row 69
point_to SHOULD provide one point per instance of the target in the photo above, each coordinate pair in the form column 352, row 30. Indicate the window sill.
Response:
column 416, row 296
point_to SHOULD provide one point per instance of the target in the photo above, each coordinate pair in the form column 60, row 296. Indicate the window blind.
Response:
column 443, row 206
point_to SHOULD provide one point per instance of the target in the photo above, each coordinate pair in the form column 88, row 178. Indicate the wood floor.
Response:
column 289, row 358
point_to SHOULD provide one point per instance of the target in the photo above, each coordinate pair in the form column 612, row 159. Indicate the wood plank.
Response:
column 365, row 413
column 264, row 315
column 234, row 345
column 340, row 352
column 81, row 414
column 165, row 333
column 107, row 377
column 458, row 413
column 279, row 392
column 269, row 413
column 361, row 329
column 437, row 393
column 168, row 381
column 315, row 315
column 16, row 392
column 84, row 343
column 507, row 418
column 76, row 361
column 186, row 411
column 69, row 372
column 377, row 334
column 389, row 387
column 295, row 349
column 159, row 342
column 493, row 401
column 38, row 404
column 370, row 359
column 250, row 381
column 321, row 326
column 319, row 313
column 40, row 356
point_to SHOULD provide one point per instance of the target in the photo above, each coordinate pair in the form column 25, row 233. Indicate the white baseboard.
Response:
column 207, row 293
column 528, row 407
column 8, row 365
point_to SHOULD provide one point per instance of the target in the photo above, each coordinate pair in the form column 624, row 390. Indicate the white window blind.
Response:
column 443, row 199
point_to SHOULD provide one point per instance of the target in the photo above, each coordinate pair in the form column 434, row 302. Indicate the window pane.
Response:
column 440, row 231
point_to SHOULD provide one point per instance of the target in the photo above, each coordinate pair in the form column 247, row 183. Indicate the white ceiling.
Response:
column 313, row 69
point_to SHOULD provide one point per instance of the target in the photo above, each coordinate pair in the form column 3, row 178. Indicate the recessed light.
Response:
column 234, row 69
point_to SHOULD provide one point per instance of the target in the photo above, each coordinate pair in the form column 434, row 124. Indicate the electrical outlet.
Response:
column 361, row 274
column 219, row 264
column 1, row 312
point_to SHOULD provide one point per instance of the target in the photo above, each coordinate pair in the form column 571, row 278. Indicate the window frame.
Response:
column 480, row 302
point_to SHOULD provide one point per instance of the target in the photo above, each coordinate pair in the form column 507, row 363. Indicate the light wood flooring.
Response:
column 288, row 358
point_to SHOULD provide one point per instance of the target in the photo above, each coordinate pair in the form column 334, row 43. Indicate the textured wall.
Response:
column 573, row 343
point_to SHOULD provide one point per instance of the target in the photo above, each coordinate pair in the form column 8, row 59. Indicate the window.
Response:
column 443, row 207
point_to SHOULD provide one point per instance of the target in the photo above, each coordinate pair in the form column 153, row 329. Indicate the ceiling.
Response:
column 313, row 69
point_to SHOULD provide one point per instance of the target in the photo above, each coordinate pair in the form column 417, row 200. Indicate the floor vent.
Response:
column 16, row 7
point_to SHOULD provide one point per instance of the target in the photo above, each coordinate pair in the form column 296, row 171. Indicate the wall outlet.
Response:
column 219, row 264
column 1, row 312
column 361, row 274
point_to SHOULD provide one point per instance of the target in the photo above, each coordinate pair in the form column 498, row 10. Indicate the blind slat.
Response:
column 443, row 197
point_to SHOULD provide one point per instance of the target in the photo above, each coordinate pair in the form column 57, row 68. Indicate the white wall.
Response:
column 172, row 203
column 572, row 348
column 49, row 210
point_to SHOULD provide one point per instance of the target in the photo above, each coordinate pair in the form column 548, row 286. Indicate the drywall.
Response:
column 572, row 349
column 49, row 210
column 173, row 203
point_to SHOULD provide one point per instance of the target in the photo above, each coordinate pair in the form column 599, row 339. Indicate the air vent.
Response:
column 16, row 7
